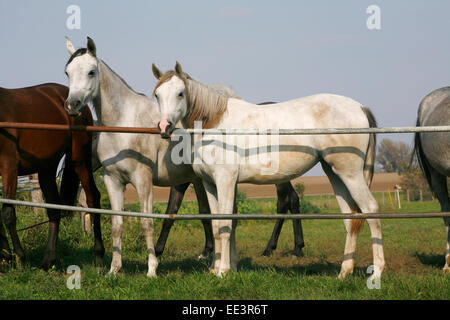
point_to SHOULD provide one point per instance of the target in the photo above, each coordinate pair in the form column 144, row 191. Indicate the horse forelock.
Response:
column 79, row 52
column 164, row 78
column 206, row 103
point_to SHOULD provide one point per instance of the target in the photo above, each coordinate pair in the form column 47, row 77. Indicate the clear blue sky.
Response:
column 265, row 50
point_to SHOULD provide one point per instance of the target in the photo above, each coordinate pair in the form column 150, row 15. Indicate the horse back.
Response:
column 37, row 104
column 433, row 148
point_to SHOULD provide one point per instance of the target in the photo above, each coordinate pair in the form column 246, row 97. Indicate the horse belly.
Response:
column 278, row 167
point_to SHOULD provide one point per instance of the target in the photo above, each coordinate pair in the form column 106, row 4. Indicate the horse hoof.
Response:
column 222, row 273
column 446, row 270
column 114, row 270
column 47, row 264
column 203, row 256
column 343, row 274
column 151, row 274
column 99, row 263
column 297, row 252
column 267, row 253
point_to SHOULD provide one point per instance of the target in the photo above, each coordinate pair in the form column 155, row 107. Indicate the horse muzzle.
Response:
column 73, row 107
column 166, row 129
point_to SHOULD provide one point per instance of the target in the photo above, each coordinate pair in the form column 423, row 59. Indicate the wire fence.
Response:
column 35, row 126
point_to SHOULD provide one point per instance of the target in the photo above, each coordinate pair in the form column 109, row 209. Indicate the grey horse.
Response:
column 433, row 151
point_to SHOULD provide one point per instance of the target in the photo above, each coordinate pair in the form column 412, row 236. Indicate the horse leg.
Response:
column 116, row 193
column 175, row 199
column 294, row 208
column 234, row 258
column 364, row 200
column 282, row 207
column 203, row 208
column 145, row 193
column 211, row 193
column 81, row 159
column 93, row 201
column 50, row 191
column 347, row 205
column 226, row 189
column 5, row 251
column 9, row 178
column 439, row 186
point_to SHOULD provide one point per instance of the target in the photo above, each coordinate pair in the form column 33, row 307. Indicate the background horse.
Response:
column 24, row 152
column 142, row 160
column 346, row 159
column 433, row 151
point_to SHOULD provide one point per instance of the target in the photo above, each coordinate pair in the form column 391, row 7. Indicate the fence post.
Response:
column 85, row 217
column 421, row 195
column 36, row 193
column 398, row 199
column 407, row 195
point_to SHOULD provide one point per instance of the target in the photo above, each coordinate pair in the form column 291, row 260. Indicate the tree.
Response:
column 393, row 156
column 300, row 189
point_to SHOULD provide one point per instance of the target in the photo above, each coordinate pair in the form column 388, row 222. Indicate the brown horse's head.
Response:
column 82, row 71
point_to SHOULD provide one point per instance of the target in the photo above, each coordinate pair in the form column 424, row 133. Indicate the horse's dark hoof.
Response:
column 158, row 251
column 298, row 252
column 267, row 253
column 205, row 255
column 99, row 262
column 20, row 261
column 47, row 264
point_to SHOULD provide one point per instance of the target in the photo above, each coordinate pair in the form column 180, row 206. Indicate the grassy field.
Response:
column 414, row 251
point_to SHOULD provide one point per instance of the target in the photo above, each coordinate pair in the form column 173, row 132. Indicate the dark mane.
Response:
column 77, row 53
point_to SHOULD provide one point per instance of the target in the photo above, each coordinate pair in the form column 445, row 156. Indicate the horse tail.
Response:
column 369, row 162
column 369, row 166
column 421, row 158
column 69, row 183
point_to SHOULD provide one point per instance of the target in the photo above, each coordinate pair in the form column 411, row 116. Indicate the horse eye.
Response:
column 156, row 96
column 91, row 73
column 180, row 95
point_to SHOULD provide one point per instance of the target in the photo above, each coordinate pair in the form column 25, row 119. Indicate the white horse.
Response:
column 347, row 159
column 139, row 159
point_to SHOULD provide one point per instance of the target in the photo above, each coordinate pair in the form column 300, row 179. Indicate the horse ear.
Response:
column 69, row 46
column 91, row 47
column 179, row 70
column 156, row 72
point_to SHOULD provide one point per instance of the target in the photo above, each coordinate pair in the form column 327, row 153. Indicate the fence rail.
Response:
column 59, row 127
column 316, row 216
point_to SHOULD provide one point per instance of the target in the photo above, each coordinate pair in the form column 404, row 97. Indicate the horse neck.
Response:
column 114, row 97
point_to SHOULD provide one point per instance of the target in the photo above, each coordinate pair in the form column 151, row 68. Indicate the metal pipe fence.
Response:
column 317, row 216
column 59, row 127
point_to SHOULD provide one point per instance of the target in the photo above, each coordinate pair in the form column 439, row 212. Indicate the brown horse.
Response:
column 24, row 152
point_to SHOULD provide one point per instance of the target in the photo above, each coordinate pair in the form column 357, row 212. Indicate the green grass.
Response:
column 414, row 250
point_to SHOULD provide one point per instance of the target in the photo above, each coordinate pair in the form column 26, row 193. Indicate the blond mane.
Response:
column 205, row 103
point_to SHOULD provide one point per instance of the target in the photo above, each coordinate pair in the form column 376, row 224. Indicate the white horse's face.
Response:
column 84, row 83
column 171, row 97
